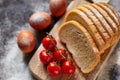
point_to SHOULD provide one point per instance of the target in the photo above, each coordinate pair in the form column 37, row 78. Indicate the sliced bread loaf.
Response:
column 102, row 20
column 80, row 44
column 109, row 20
column 111, row 11
column 98, row 25
column 82, row 18
column 107, row 17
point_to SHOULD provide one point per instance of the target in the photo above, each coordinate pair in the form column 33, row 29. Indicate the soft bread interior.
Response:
column 80, row 44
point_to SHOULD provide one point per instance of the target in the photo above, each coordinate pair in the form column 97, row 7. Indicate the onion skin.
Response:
column 58, row 7
column 26, row 41
column 40, row 20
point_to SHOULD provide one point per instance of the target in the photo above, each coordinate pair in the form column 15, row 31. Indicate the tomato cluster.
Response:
column 55, row 59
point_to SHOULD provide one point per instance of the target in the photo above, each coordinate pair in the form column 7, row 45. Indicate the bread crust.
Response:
column 101, row 18
column 107, row 17
column 103, row 22
column 114, row 15
column 117, row 14
column 109, row 20
column 111, row 11
column 89, row 25
column 98, row 25
column 89, row 38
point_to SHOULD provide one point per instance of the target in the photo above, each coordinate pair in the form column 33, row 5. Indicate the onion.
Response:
column 58, row 7
column 40, row 20
column 26, row 41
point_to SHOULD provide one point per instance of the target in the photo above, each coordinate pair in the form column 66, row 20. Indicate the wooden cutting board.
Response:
column 39, row 70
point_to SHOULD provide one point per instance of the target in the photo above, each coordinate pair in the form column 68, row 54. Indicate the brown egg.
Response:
column 26, row 41
column 58, row 7
column 40, row 20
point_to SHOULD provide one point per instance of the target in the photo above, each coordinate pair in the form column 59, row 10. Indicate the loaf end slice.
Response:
column 80, row 44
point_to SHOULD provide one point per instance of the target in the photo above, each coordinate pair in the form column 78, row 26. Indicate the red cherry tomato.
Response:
column 49, row 43
column 60, row 55
column 53, row 69
column 68, row 67
column 45, row 56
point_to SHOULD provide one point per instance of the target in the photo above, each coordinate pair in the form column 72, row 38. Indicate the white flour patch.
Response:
column 1, row 1
column 14, row 66
column 38, row 6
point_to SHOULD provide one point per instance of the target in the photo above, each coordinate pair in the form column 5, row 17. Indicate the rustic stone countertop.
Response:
column 14, row 15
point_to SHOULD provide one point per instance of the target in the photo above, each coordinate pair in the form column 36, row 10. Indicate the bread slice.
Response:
column 102, row 20
column 107, row 17
column 111, row 11
column 98, row 25
column 109, row 20
column 113, row 14
column 82, row 18
column 80, row 44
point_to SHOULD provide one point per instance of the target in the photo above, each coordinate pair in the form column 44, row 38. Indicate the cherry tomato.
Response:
column 53, row 69
column 46, row 56
column 60, row 55
column 49, row 43
column 68, row 67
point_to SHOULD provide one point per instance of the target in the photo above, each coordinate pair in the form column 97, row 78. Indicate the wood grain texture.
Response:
column 39, row 70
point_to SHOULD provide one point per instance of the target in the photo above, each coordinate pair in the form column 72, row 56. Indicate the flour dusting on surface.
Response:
column 112, row 68
column 13, row 64
column 14, row 16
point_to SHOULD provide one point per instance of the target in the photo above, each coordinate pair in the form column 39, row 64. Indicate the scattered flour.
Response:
column 13, row 64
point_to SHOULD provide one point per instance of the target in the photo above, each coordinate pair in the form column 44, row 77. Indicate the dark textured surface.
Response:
column 14, row 15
